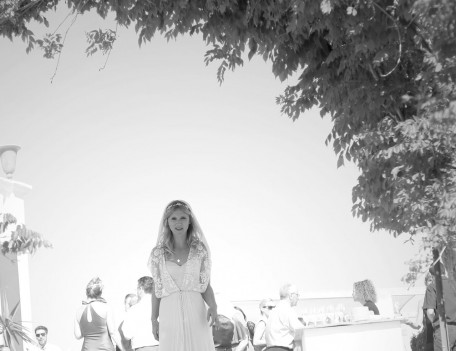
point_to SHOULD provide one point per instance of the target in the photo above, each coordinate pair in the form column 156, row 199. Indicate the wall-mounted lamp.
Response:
column 8, row 155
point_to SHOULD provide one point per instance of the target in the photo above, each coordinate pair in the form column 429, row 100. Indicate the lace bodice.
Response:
column 197, row 271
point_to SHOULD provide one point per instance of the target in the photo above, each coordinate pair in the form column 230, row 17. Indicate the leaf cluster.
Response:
column 51, row 45
column 12, row 330
column 15, row 16
column 22, row 239
column 100, row 40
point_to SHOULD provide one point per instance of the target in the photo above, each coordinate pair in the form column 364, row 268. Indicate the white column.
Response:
column 12, row 195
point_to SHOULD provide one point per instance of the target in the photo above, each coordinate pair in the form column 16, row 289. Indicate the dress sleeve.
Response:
column 155, row 268
column 205, row 268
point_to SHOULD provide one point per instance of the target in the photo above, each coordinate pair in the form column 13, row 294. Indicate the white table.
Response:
column 372, row 335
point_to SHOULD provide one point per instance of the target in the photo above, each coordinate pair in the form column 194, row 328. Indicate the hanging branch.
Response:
column 28, row 6
column 400, row 40
column 110, row 49
column 60, row 52
column 64, row 20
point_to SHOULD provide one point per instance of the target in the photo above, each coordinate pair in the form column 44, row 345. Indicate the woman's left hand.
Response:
column 212, row 316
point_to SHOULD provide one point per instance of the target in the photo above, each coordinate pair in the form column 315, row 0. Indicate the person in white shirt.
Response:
column 41, row 333
column 130, row 300
column 283, row 322
column 137, row 325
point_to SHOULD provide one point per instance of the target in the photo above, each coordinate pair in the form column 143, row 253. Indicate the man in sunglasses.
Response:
column 41, row 333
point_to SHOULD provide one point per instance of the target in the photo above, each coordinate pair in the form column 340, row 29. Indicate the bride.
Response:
column 181, row 267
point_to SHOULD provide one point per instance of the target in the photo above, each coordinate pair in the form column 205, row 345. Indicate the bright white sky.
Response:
column 105, row 151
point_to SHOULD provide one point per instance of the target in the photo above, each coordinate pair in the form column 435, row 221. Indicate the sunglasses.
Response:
column 40, row 334
column 269, row 307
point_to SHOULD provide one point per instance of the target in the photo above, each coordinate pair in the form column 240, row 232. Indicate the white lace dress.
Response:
column 182, row 315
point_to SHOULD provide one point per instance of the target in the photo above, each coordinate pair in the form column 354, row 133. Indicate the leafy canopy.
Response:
column 383, row 70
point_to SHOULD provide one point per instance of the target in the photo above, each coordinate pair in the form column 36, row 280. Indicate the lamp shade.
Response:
column 8, row 155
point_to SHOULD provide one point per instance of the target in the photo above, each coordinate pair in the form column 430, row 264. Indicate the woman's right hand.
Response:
column 155, row 327
column 212, row 317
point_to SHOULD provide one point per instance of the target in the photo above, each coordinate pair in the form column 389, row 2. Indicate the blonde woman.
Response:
column 259, row 336
column 364, row 292
column 181, row 265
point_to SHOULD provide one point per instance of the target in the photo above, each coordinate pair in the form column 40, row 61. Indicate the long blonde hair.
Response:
column 194, row 233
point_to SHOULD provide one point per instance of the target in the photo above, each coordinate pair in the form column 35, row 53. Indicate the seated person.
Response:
column 364, row 292
column 232, row 333
column 259, row 338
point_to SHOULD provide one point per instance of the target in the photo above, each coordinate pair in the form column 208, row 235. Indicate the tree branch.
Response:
column 399, row 36
column 63, row 42
column 110, row 49
column 29, row 5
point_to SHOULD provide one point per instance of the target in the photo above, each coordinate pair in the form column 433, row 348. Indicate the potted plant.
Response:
column 19, row 240
column 11, row 331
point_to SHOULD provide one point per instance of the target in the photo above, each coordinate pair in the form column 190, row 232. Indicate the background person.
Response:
column 364, row 293
column 241, row 330
column 419, row 327
column 41, row 334
column 181, row 267
column 259, row 338
column 283, row 323
column 430, row 305
column 427, row 324
column 232, row 333
column 137, row 325
column 130, row 300
column 94, row 321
